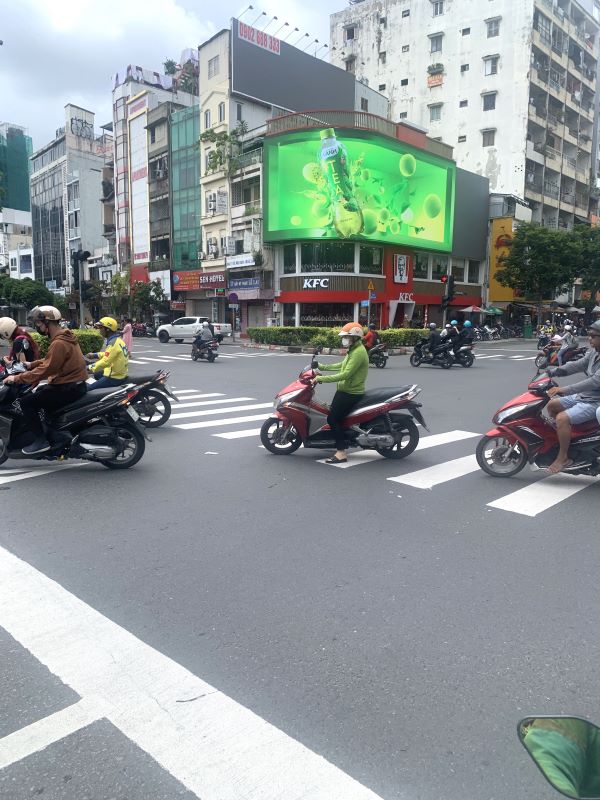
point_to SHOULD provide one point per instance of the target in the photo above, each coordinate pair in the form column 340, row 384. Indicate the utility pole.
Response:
column 77, row 259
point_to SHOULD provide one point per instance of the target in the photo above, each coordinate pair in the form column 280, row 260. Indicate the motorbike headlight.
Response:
column 513, row 411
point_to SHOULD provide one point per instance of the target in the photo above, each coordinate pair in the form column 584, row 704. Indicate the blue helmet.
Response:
column 467, row 323
column 453, row 322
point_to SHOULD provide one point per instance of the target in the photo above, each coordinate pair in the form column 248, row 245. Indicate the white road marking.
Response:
column 214, row 746
column 135, row 361
column 531, row 500
column 440, row 473
column 199, row 396
column 217, row 423
column 425, row 442
column 190, row 391
column 238, row 434
column 35, row 737
column 213, row 402
column 36, row 473
column 232, row 410
column 496, row 355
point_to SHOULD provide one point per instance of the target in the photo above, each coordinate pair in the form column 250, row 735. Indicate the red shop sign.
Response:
column 186, row 281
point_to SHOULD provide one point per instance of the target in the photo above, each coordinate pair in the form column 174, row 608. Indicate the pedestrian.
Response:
column 127, row 334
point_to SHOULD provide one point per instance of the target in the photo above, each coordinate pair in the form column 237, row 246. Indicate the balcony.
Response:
column 537, row 113
column 581, row 202
column 570, row 135
column 160, row 227
column 567, row 198
column 584, row 142
column 160, row 265
column 541, row 39
column 246, row 211
column 551, row 190
column 552, row 154
column 554, row 122
column 250, row 159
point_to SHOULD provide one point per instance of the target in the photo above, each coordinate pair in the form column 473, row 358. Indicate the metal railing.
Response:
column 250, row 158
column 567, row 197
column 331, row 119
column 581, row 201
column 551, row 190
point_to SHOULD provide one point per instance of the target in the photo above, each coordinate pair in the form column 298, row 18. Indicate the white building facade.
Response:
column 511, row 85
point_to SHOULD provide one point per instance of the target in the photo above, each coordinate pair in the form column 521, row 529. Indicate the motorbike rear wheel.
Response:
column 496, row 457
column 379, row 360
column 153, row 407
column 211, row 357
column 134, row 446
column 3, row 452
column 415, row 360
column 194, row 356
column 467, row 360
column 407, row 438
column 278, row 438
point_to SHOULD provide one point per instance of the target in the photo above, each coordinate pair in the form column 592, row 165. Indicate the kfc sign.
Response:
column 401, row 268
column 316, row 283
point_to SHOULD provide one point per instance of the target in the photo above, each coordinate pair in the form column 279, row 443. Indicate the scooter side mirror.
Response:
column 566, row 750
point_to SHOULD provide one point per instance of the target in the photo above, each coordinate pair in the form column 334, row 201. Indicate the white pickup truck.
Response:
column 187, row 328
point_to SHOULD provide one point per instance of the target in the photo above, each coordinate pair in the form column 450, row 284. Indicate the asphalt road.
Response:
column 212, row 622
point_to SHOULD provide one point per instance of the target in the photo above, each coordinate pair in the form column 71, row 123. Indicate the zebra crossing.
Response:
column 156, row 357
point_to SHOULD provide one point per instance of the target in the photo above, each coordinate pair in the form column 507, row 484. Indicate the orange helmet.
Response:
column 351, row 326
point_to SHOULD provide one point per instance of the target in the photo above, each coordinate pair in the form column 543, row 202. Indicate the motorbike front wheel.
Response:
column 496, row 456
column 406, row 434
column 541, row 361
column 153, row 407
column 133, row 446
column 278, row 438
column 211, row 358
column 415, row 360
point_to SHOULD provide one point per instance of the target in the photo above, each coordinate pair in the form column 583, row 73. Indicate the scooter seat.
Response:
column 373, row 396
column 90, row 397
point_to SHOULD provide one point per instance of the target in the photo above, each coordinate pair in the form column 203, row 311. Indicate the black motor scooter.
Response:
column 440, row 357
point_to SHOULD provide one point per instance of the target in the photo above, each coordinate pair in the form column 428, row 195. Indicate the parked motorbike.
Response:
column 142, row 329
column 381, row 421
column 549, row 356
column 152, row 401
column 101, row 426
column 565, row 750
column 523, row 434
column 442, row 357
column 378, row 355
column 205, row 350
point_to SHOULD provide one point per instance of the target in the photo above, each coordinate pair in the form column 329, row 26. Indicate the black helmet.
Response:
column 372, row 327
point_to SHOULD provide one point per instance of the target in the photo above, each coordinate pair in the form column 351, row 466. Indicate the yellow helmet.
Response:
column 109, row 323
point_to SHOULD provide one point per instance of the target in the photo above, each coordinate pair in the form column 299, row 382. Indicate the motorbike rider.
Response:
column 465, row 336
column 23, row 346
column 575, row 404
column 64, row 368
column 371, row 337
column 350, row 376
column 568, row 342
column 113, row 363
column 433, row 339
column 204, row 337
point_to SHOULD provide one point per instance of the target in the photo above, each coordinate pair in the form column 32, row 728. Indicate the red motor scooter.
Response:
column 549, row 356
column 522, row 434
column 382, row 420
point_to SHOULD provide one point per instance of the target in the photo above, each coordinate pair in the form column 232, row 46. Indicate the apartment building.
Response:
column 511, row 86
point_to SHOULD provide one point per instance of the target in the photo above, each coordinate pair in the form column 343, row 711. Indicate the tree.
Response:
column 588, row 241
column 119, row 290
column 170, row 66
column 541, row 262
column 148, row 298
column 228, row 147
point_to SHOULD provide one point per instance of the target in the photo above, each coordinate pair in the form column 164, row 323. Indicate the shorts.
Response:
column 577, row 410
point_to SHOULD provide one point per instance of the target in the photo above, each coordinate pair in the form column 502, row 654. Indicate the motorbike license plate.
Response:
column 133, row 413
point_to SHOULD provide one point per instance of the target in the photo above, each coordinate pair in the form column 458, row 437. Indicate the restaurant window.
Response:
column 289, row 259
column 458, row 271
column 327, row 257
column 473, row 273
column 326, row 314
column 371, row 260
column 439, row 267
column 421, row 266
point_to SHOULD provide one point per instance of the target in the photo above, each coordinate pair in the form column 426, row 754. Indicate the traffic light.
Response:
column 448, row 281
column 75, row 267
column 87, row 291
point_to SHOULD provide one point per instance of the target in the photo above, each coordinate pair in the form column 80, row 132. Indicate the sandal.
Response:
column 335, row 460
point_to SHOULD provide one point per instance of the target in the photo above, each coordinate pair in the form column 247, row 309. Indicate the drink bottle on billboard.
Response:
column 347, row 216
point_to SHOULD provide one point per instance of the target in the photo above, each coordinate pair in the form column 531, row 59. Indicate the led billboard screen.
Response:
column 354, row 184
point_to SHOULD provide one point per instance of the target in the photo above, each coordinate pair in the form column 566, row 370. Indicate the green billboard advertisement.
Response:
column 354, row 184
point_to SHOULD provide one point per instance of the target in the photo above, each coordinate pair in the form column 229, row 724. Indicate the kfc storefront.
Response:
column 204, row 293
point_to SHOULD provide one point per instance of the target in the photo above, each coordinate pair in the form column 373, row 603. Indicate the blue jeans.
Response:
column 106, row 383
column 560, row 355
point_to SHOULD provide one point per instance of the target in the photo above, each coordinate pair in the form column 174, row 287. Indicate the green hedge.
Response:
column 89, row 341
column 328, row 337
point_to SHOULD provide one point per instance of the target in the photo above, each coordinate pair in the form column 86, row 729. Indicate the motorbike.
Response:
column 543, row 340
column 152, row 401
column 549, row 356
column 442, row 357
column 383, row 420
column 101, row 426
column 465, row 356
column 378, row 355
column 208, row 350
column 524, row 435
column 565, row 750
column 142, row 329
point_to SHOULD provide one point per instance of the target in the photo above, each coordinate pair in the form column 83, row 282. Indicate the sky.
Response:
column 65, row 51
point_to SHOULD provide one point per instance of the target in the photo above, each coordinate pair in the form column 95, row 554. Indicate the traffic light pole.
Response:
column 80, row 294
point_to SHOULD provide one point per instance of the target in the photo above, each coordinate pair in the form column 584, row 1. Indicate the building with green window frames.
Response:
column 185, row 189
column 15, row 151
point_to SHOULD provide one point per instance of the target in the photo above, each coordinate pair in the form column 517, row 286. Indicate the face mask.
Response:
column 346, row 341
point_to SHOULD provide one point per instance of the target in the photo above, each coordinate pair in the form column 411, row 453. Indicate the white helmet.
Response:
column 352, row 330
column 205, row 324
column 7, row 327
column 568, row 327
column 45, row 314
